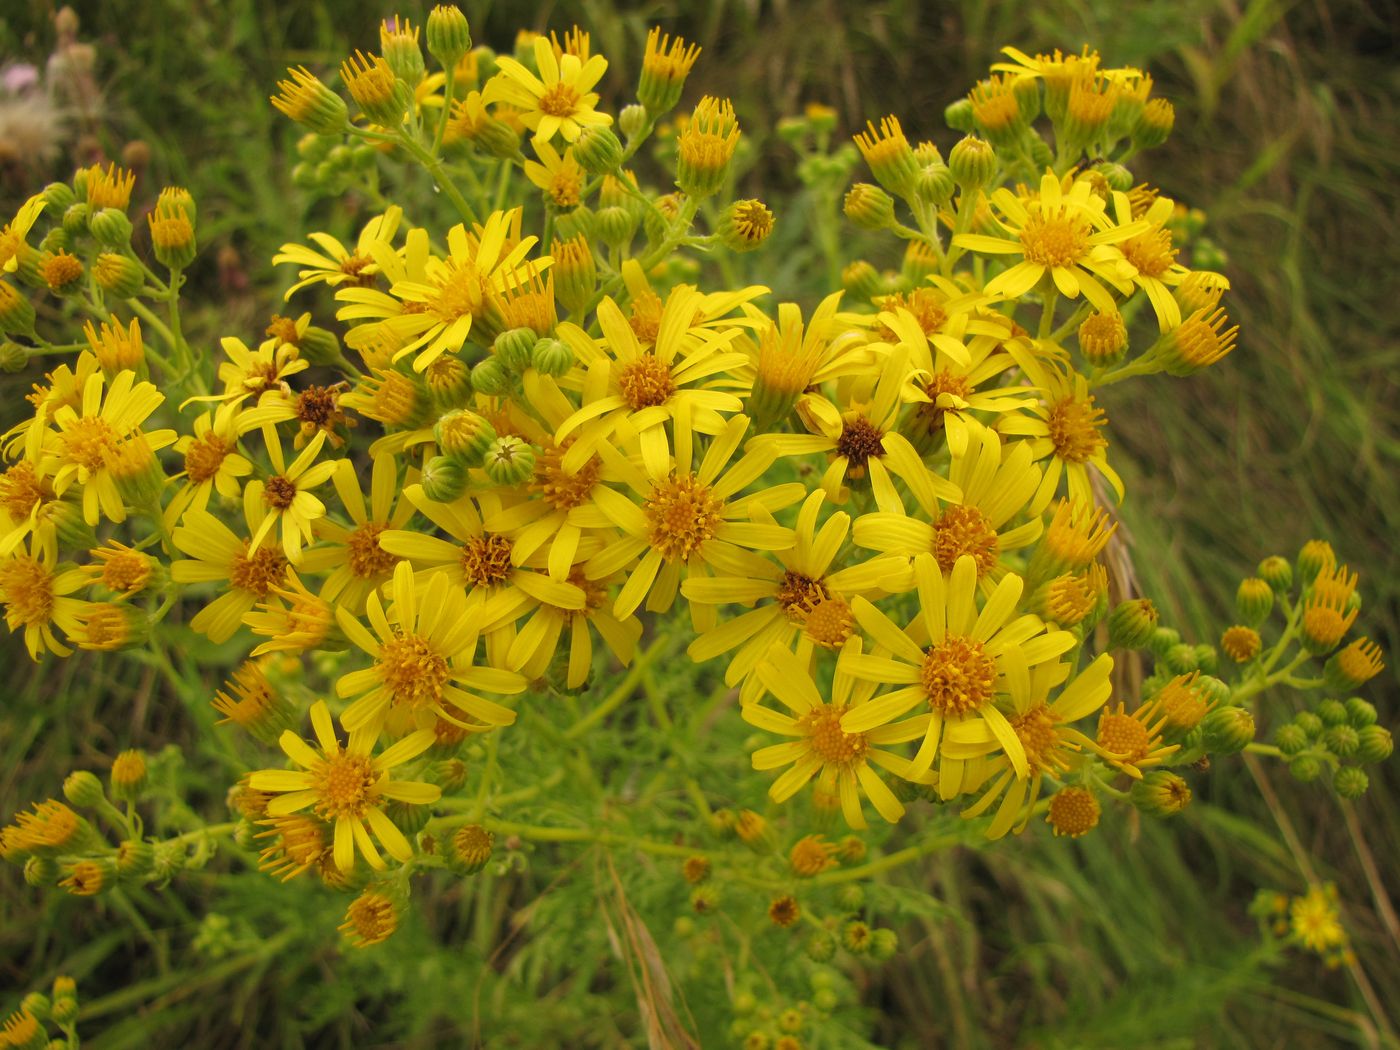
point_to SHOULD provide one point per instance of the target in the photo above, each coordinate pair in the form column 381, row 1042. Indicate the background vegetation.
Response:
column 1286, row 136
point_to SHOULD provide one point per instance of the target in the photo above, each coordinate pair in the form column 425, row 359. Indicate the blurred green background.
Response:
column 1286, row 135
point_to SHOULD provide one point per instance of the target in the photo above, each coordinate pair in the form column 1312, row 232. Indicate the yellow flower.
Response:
column 689, row 521
column 841, row 760
column 211, row 462
column 1066, row 427
column 1132, row 741
column 287, row 494
column 65, row 387
column 635, row 391
column 421, row 647
column 481, row 565
column 36, row 599
column 303, row 622
column 1065, row 235
column 356, row 562
column 558, row 101
column 27, row 498
column 87, row 440
column 1314, row 920
column 16, row 230
column 803, row 598
column 537, row 643
column 336, row 264
column 560, row 176
column 988, row 487
column 433, row 302
column 1045, row 730
column 348, row 786
column 961, row 674
column 219, row 556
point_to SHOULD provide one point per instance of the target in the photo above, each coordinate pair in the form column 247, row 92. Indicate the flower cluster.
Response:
column 517, row 442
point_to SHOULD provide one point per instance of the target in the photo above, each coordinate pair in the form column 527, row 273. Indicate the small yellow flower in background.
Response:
column 1315, row 921
column 559, row 101
column 335, row 264
column 348, row 786
column 840, row 760
column 287, row 494
column 372, row 918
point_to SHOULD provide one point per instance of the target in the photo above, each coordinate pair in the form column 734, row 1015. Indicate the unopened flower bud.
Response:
column 745, row 225
column 1228, row 730
column 512, row 348
column 82, row 788
column 1350, row 782
column 1277, row 573
column 449, row 36
column 444, row 479
column 1161, row 793
column 509, row 460
column 552, row 357
column 120, row 276
column 1132, row 623
column 111, row 227
column 973, row 163
column 598, row 150
column 1374, row 744
column 869, row 207
column 491, row 377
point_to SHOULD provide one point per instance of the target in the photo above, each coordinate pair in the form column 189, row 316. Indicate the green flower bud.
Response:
column 1181, row 659
column 1332, row 712
column 1207, row 659
column 1254, row 601
column 13, row 357
column 884, row 944
column 1290, row 738
column 1374, row 744
column 1132, row 624
column 449, row 35
column 1314, row 556
column 306, row 100
column 463, row 435
column 598, row 150
column 973, row 163
column 1310, row 723
column 75, row 219
column 1351, row 782
column 745, row 225
column 120, row 276
column 83, row 789
column 491, row 377
column 869, row 207
column 509, row 460
column 111, row 227
column 862, row 280
column 1163, row 640
column 632, row 120
column 321, row 347
column 1161, row 793
column 1118, row 177
column 851, row 897
column 1277, row 573
column 512, row 348
column 1360, row 713
column 1212, row 690
column 936, row 185
column 958, row 115
column 444, row 479
column 40, row 872
column 16, row 311
column 552, row 357
column 1342, row 740
column 58, row 197
column 820, row 946
column 857, row 936
column 37, row 1005
column 135, row 859
column 1228, row 730
column 1306, row 768
column 825, row 1000
column 614, row 225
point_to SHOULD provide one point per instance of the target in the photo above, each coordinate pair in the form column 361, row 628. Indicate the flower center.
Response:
column 1074, row 811
column 1057, row 238
column 486, row 560
column 965, row 530
column 645, row 382
column 88, row 442
column 828, row 740
column 859, row 441
column 561, row 490
column 368, row 560
column 799, row 595
column 345, row 784
column 316, row 405
column 1074, row 429
column 205, row 456
column 20, row 490
column 681, row 515
column 1123, row 735
column 353, row 267
column 26, row 588
column 1036, row 731
column 370, row 919
column 559, row 100
column 958, row 676
column 943, row 382
column 829, row 623
column 460, row 293
column 61, row 270
column 1151, row 252
column 280, row 492
column 126, row 571
column 414, row 671
column 258, row 572
column 645, row 318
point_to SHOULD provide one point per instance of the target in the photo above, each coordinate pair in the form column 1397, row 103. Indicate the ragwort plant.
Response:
column 456, row 524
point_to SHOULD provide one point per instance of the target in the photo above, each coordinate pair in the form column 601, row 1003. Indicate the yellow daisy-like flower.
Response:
column 636, row 391
column 559, row 100
column 65, row 387
column 16, row 230
column 1046, row 732
column 1132, row 740
column 1154, row 258
column 1066, row 428
column 1314, row 920
column 802, row 598
column 246, row 575
column 717, row 309
column 559, row 175
column 287, row 494
column 434, row 313
column 36, row 599
column 968, row 514
column 1065, row 235
column 291, row 618
column 87, row 439
column 211, row 462
column 26, row 495
column 961, row 674
column 690, row 521
column 252, row 373
column 348, row 786
column 421, row 646
column 335, row 264
column 537, row 642
column 356, row 562
column 841, row 760
column 479, row 563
